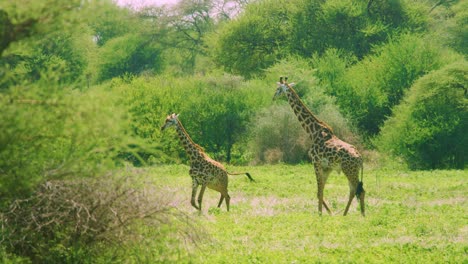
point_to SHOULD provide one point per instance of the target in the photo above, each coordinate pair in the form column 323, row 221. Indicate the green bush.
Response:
column 368, row 90
column 63, row 54
column 451, row 25
column 128, row 54
column 277, row 136
column 459, row 28
column 214, row 109
column 331, row 68
column 49, row 132
column 429, row 128
column 352, row 26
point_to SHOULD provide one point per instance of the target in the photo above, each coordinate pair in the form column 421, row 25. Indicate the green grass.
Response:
column 419, row 217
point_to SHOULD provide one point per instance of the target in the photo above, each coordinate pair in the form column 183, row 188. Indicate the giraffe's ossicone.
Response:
column 205, row 172
column 328, row 152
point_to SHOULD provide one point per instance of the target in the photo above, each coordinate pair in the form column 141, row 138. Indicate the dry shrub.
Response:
column 91, row 212
column 277, row 135
column 273, row 156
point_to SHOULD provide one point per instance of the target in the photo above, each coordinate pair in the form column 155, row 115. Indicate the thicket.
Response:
column 214, row 109
column 85, row 221
column 433, row 119
column 81, row 95
column 62, row 139
column 367, row 90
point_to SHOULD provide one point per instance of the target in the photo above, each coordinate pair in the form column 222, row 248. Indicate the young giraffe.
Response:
column 203, row 170
column 328, row 152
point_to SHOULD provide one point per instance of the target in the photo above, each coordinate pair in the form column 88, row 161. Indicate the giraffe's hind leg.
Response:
column 353, row 182
column 226, row 196
column 221, row 199
column 351, row 168
column 361, row 201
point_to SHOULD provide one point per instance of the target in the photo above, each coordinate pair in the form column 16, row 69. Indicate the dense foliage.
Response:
column 86, row 85
column 272, row 29
column 434, row 120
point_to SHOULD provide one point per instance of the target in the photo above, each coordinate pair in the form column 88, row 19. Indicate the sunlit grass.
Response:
column 411, row 217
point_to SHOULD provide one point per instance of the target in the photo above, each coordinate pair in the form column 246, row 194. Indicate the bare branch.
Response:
column 92, row 211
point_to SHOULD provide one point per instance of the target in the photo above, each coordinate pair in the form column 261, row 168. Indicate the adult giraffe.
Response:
column 328, row 152
column 203, row 170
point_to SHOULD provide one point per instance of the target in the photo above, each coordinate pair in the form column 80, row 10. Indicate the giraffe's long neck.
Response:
column 193, row 150
column 309, row 122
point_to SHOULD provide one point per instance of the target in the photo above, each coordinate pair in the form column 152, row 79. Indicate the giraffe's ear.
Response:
column 292, row 84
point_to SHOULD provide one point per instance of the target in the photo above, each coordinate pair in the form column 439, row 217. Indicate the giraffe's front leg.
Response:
column 350, row 199
column 322, row 176
column 194, row 193
column 326, row 207
column 320, row 186
column 200, row 196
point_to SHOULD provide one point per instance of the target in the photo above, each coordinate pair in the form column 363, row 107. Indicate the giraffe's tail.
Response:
column 240, row 173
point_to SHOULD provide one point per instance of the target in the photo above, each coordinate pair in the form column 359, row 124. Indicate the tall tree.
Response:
column 190, row 22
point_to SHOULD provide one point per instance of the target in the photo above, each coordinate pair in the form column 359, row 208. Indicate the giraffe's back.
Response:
column 350, row 159
column 212, row 173
column 334, row 153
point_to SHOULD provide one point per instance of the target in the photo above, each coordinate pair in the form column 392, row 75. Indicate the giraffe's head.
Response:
column 283, row 86
column 171, row 120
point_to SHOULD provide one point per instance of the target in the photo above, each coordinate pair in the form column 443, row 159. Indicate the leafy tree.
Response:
column 45, row 38
column 351, row 26
column 10, row 32
column 331, row 68
column 129, row 42
column 458, row 27
column 24, row 20
column 273, row 29
column 255, row 40
column 128, row 54
column 429, row 128
column 53, row 133
column 110, row 21
column 191, row 21
column 50, row 130
column 222, row 113
column 368, row 90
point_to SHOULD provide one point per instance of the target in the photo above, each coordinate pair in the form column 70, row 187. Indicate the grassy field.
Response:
column 412, row 217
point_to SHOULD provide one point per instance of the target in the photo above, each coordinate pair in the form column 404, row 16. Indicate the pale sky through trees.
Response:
column 141, row 3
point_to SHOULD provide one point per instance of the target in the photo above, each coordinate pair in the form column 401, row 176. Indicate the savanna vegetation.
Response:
column 86, row 175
